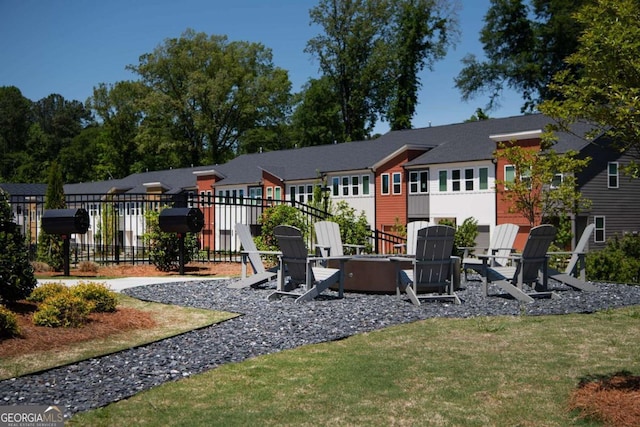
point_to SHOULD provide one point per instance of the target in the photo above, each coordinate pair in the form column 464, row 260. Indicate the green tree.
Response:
column 421, row 31
column 543, row 187
column 16, row 273
column 50, row 245
column 15, row 113
column 371, row 52
column 524, row 43
column 606, row 90
column 121, row 114
column 316, row 118
column 204, row 93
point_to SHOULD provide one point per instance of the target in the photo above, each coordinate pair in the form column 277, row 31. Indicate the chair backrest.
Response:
column 328, row 235
column 580, row 248
column 434, row 248
column 412, row 233
column 503, row 237
column 294, row 251
column 535, row 251
column 244, row 234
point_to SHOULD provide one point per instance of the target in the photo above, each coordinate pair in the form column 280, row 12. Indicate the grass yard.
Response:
column 502, row 371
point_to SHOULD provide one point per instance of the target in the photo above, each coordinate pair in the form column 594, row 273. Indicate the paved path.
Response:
column 129, row 282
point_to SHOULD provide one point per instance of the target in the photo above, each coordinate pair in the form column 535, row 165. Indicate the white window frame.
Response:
column 615, row 175
column 385, row 181
column 355, row 185
column 480, row 183
column 443, row 178
column 456, row 183
column 469, row 181
column 599, row 233
column 416, row 182
column 396, row 183
column 366, row 182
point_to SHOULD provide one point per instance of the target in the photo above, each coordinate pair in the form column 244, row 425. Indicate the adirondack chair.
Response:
column 501, row 246
column 433, row 267
column 254, row 256
column 301, row 268
column 412, row 233
column 576, row 263
column 328, row 240
column 525, row 269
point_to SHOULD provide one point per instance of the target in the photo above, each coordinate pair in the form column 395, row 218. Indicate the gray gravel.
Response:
column 265, row 327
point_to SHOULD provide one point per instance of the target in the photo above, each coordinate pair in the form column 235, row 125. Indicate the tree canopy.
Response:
column 606, row 89
column 525, row 43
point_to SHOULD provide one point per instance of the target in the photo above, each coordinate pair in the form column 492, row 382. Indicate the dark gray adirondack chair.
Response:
column 529, row 268
column 253, row 255
column 501, row 245
column 300, row 268
column 433, row 275
column 329, row 242
column 576, row 264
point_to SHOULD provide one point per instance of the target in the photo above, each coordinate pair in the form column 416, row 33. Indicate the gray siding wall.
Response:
column 620, row 206
column 418, row 206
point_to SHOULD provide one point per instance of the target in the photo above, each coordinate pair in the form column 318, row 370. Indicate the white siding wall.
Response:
column 462, row 204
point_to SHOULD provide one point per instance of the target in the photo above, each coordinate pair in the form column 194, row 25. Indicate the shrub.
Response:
column 47, row 290
column 16, row 274
column 41, row 267
column 101, row 298
column 279, row 215
column 8, row 323
column 165, row 247
column 88, row 267
column 353, row 230
column 618, row 262
column 62, row 310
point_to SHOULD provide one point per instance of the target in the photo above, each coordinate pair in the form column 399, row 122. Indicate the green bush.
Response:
column 353, row 230
column 465, row 235
column 16, row 273
column 165, row 247
column 618, row 262
column 8, row 323
column 101, row 298
column 47, row 290
column 63, row 310
column 279, row 215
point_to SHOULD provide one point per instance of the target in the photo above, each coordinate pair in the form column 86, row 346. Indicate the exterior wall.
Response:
column 206, row 198
column 503, row 207
column 618, row 206
column 391, row 208
column 463, row 203
column 364, row 201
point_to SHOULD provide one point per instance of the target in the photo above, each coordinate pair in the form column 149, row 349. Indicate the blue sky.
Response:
column 70, row 46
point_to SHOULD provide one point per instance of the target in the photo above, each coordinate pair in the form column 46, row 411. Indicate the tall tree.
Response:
column 525, row 43
column 203, row 94
column 372, row 51
column 49, row 245
column 15, row 111
column 421, row 32
column 121, row 114
column 606, row 90
column 316, row 119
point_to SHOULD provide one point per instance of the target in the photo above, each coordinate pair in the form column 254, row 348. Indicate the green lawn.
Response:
column 502, row 371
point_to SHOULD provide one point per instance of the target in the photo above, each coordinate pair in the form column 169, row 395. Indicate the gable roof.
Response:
column 24, row 190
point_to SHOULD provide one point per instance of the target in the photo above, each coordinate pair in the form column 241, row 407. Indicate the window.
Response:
column 397, row 183
column 612, row 172
column 455, row 180
column 345, row 185
column 385, row 183
column 442, row 178
column 509, row 173
column 365, row 185
column 483, row 173
column 292, row 192
column 335, row 186
column 599, row 235
column 468, row 179
column 309, row 193
column 418, row 182
column 269, row 193
column 557, row 180
column 278, row 193
column 355, row 185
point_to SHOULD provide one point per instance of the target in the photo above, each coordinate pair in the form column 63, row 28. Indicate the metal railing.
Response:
column 118, row 224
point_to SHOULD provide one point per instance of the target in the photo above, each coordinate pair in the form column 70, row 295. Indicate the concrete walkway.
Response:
column 129, row 282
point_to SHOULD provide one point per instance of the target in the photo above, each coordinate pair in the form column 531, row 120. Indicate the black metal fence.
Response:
column 118, row 224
